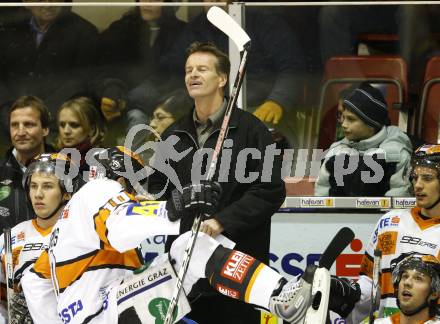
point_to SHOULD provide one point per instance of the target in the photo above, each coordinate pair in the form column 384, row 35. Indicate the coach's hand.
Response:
column 212, row 227
column 194, row 199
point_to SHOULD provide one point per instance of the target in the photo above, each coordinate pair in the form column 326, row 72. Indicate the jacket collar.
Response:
column 186, row 124
column 11, row 161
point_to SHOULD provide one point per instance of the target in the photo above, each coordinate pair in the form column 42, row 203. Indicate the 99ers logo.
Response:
column 34, row 247
column 417, row 241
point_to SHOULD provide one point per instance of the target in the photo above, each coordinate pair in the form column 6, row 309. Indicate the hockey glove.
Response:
column 344, row 294
column 269, row 112
column 19, row 311
column 112, row 109
column 194, row 199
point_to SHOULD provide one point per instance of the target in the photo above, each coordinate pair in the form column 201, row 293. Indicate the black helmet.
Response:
column 56, row 164
column 428, row 156
column 425, row 263
column 117, row 162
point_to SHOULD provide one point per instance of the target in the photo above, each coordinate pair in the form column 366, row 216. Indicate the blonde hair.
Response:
column 88, row 117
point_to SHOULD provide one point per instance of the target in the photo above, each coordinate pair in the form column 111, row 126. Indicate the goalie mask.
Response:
column 424, row 263
column 117, row 162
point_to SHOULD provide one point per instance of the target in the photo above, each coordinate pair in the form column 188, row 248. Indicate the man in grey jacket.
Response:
column 373, row 158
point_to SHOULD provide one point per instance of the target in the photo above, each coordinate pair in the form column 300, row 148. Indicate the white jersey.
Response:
column 93, row 244
column 395, row 319
column 397, row 232
column 28, row 241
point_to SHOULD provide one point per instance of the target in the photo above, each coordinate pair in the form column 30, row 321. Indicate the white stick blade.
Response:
column 220, row 19
column 321, row 284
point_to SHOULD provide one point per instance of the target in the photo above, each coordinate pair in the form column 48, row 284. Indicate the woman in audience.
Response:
column 79, row 126
column 170, row 109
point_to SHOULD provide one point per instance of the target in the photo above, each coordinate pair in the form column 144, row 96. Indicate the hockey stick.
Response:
column 318, row 310
column 375, row 283
column 226, row 24
column 9, row 269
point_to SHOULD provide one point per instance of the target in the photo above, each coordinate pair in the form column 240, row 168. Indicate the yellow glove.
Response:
column 269, row 112
column 112, row 109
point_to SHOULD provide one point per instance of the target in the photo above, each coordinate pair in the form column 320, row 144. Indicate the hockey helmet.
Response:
column 116, row 162
column 424, row 263
column 427, row 156
column 56, row 164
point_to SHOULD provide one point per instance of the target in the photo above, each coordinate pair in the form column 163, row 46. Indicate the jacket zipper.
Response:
column 192, row 138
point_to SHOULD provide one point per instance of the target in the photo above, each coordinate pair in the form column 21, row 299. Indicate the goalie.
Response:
column 88, row 271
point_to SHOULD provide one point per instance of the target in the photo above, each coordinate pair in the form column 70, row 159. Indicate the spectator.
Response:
column 373, row 158
column 48, row 54
column 79, row 127
column 416, row 280
column 28, row 126
column 341, row 25
column 274, row 83
column 171, row 109
column 340, row 109
column 415, row 25
column 130, row 51
column 397, row 232
column 245, row 209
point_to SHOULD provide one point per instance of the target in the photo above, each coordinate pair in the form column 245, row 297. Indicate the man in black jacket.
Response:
column 28, row 125
column 48, row 53
column 274, row 76
column 129, row 73
column 249, row 199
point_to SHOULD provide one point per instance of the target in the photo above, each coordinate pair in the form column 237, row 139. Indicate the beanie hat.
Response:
column 369, row 105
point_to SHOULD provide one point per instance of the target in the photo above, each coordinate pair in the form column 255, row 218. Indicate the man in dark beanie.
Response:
column 373, row 158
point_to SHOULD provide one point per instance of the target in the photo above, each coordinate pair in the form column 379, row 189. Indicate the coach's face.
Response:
column 201, row 76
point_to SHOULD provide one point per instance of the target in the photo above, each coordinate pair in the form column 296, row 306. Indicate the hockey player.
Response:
column 92, row 255
column 30, row 238
column 397, row 232
column 416, row 281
